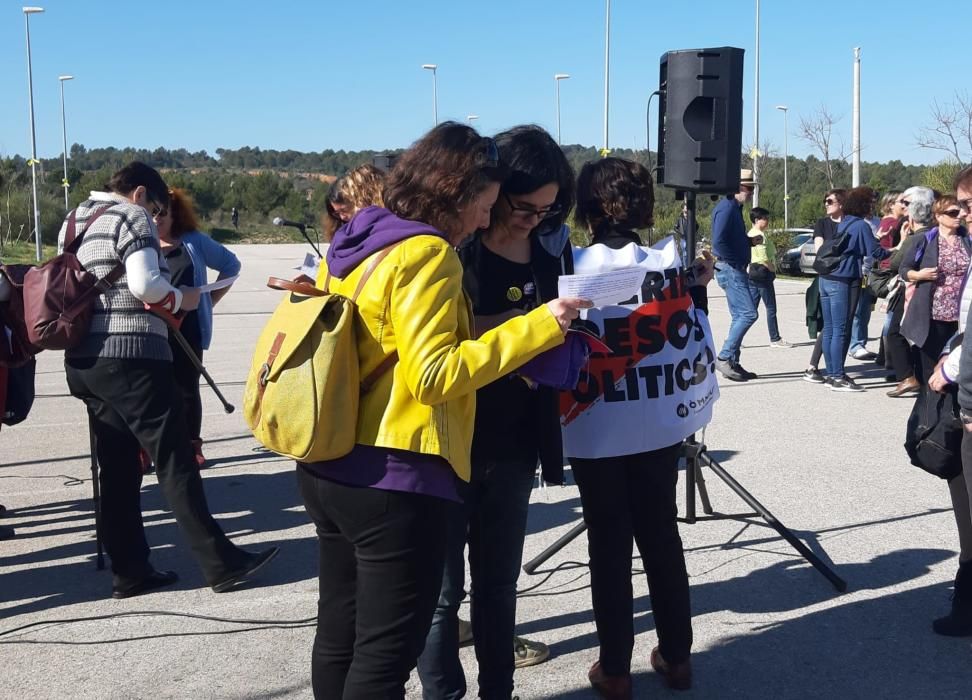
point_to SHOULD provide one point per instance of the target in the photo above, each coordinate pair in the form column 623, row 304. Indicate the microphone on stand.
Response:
column 279, row 221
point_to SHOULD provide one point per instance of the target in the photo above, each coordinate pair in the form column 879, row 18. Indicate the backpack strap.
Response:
column 368, row 382
column 72, row 243
column 372, row 266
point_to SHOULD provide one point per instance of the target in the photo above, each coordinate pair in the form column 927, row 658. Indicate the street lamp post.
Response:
column 28, row 11
column 435, row 96
column 786, row 180
column 607, row 71
column 62, row 79
column 557, row 78
column 756, row 119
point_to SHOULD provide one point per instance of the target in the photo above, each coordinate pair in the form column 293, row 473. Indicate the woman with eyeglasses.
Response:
column 383, row 511
column 937, row 270
column 189, row 256
column 511, row 269
column 823, row 230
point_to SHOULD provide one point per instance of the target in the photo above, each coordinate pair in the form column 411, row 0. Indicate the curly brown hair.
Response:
column 860, row 202
column 614, row 192
column 360, row 188
column 183, row 213
column 441, row 174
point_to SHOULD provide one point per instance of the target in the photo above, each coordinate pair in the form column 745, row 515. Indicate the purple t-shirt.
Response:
column 389, row 469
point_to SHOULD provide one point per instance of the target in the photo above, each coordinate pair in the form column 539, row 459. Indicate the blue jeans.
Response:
column 834, row 302
column 495, row 514
column 767, row 292
column 735, row 283
column 862, row 317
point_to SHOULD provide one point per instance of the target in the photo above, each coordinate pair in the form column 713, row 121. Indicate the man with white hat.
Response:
column 732, row 249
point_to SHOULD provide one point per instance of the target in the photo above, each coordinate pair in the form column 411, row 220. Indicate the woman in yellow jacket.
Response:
column 381, row 510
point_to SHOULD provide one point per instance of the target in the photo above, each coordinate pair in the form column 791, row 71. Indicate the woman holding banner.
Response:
column 630, row 498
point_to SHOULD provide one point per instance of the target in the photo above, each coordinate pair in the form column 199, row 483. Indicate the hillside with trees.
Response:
column 264, row 183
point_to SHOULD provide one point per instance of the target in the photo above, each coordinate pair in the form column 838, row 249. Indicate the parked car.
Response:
column 791, row 260
column 808, row 253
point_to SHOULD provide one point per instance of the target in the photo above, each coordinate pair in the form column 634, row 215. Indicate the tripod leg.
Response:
column 771, row 520
column 703, row 491
column 96, row 497
column 691, row 472
column 531, row 566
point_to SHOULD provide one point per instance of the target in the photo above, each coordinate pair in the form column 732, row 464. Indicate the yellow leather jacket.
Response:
column 414, row 304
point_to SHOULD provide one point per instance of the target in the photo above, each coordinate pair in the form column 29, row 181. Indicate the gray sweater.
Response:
column 121, row 328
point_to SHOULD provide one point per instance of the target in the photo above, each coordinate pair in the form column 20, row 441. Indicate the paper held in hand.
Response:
column 218, row 284
column 603, row 288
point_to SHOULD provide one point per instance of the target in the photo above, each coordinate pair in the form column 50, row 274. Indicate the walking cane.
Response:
column 174, row 322
column 96, row 496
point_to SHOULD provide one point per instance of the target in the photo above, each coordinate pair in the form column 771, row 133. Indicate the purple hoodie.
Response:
column 371, row 229
column 369, row 466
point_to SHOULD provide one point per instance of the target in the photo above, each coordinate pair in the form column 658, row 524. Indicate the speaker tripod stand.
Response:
column 696, row 456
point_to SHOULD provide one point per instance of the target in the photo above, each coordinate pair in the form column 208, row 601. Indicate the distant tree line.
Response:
column 263, row 183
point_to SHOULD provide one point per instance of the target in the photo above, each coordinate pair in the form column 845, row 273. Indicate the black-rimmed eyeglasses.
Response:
column 528, row 212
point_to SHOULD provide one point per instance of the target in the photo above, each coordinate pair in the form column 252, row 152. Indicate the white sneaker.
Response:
column 781, row 343
column 862, row 353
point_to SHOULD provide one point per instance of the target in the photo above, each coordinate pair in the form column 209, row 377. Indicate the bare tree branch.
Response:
column 817, row 130
column 950, row 129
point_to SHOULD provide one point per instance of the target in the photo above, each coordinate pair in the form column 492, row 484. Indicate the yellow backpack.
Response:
column 302, row 392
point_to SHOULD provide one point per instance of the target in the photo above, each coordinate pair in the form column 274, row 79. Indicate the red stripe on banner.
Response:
column 644, row 332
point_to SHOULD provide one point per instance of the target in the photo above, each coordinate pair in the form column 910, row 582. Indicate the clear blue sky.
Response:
column 311, row 75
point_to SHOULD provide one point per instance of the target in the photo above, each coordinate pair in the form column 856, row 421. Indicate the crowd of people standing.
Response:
column 456, row 253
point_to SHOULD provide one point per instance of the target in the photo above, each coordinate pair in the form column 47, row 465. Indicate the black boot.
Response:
column 958, row 623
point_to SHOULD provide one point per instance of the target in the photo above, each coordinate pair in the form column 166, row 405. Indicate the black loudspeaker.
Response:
column 700, row 119
column 385, row 161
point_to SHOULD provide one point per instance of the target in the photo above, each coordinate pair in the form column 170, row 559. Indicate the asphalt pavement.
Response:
column 830, row 466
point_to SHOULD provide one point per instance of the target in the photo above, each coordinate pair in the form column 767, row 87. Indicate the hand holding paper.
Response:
column 603, row 288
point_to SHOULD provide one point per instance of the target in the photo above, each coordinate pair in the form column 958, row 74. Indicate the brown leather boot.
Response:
column 610, row 687
column 905, row 387
column 197, row 449
column 677, row 676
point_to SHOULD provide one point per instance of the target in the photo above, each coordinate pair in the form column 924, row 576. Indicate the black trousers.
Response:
column 187, row 378
column 132, row 404
column 627, row 499
column 381, row 560
column 896, row 347
column 938, row 334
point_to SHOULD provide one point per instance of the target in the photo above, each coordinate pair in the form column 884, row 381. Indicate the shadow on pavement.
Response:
column 880, row 647
column 49, row 577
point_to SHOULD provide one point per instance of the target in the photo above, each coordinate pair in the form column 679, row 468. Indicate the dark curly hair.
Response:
column 614, row 192
column 440, row 174
column 860, row 202
column 535, row 160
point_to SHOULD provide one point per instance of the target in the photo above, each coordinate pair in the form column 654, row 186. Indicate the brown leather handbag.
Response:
column 59, row 295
